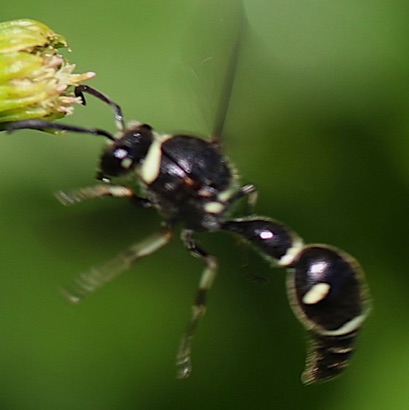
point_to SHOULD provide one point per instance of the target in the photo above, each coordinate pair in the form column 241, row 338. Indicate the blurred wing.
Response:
column 209, row 59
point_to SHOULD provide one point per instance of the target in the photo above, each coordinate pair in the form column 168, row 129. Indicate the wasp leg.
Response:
column 119, row 118
column 183, row 358
column 96, row 277
column 77, row 196
column 250, row 191
column 96, row 191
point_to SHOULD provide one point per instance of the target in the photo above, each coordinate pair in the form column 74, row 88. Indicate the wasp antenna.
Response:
column 48, row 126
column 119, row 118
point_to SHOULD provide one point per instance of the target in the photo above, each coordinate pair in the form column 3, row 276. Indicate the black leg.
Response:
column 183, row 358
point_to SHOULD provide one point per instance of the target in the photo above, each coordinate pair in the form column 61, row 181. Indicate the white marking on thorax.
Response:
column 205, row 193
column 151, row 166
column 213, row 207
column 225, row 195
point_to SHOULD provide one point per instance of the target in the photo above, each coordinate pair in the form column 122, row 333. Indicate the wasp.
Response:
column 193, row 184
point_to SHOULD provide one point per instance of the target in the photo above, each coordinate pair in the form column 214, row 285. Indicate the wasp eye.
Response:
column 120, row 153
column 124, row 158
column 116, row 161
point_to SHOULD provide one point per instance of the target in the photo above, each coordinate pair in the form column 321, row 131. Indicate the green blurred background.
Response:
column 319, row 121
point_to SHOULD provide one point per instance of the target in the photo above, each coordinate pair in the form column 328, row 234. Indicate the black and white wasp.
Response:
column 192, row 183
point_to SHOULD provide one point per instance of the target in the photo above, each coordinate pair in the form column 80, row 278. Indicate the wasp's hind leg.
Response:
column 183, row 358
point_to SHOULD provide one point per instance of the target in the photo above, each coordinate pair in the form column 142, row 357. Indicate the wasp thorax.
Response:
column 125, row 153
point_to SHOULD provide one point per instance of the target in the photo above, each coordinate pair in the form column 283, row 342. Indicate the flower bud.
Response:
column 35, row 79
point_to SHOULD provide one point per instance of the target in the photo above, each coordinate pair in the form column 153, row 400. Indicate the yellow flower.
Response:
column 35, row 80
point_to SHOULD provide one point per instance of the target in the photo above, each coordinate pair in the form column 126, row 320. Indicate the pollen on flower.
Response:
column 36, row 81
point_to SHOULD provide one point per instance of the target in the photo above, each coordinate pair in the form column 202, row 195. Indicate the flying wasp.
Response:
column 193, row 184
